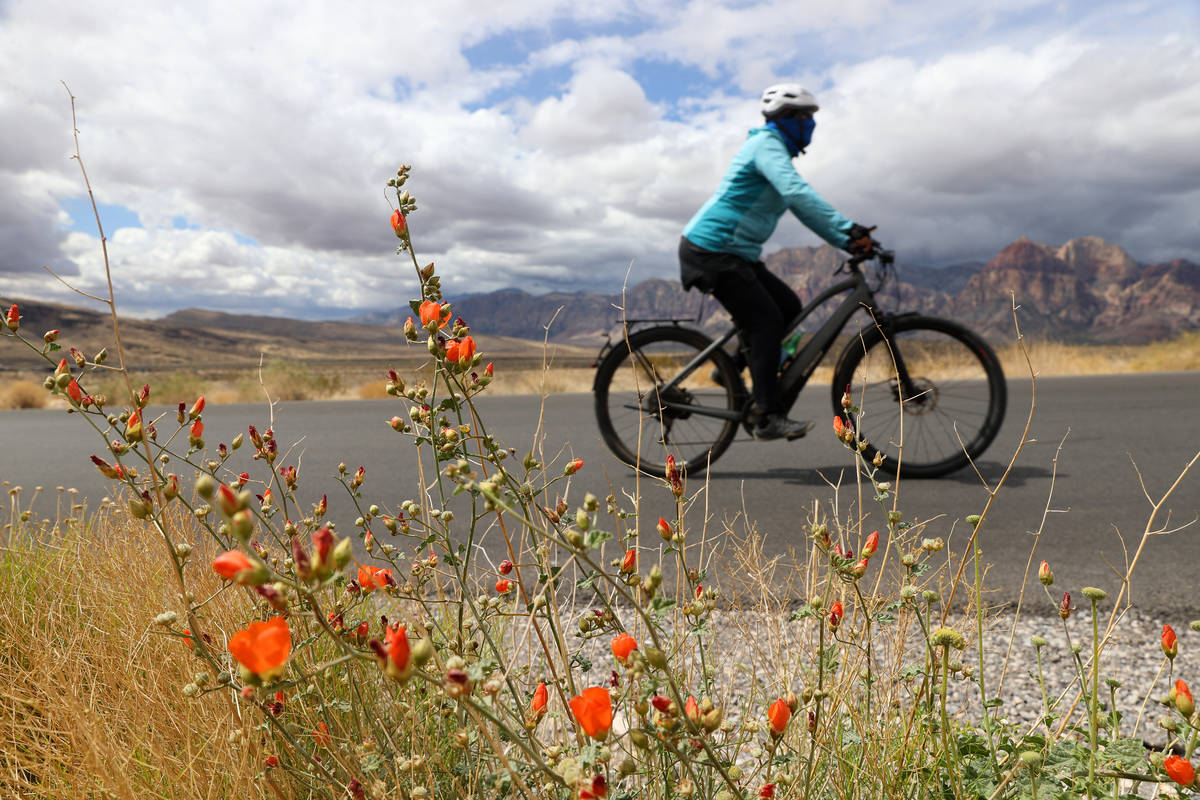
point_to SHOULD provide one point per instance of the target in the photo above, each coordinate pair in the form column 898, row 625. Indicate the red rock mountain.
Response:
column 1087, row 290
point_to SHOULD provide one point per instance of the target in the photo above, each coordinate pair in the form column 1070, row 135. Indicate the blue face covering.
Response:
column 797, row 132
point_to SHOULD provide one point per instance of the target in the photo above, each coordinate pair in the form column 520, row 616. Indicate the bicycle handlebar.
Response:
column 886, row 258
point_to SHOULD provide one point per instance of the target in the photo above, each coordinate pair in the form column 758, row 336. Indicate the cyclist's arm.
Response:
column 773, row 162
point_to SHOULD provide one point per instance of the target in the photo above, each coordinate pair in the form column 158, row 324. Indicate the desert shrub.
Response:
column 23, row 394
column 289, row 380
column 594, row 661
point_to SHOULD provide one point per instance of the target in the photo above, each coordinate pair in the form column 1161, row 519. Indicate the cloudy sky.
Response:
column 239, row 150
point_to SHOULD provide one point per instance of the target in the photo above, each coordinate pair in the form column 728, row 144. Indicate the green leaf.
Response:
column 805, row 611
column 829, row 659
column 659, row 606
column 594, row 538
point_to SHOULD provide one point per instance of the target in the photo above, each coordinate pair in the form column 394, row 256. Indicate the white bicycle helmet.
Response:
column 787, row 97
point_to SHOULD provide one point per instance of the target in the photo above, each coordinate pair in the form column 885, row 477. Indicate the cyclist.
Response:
column 720, row 248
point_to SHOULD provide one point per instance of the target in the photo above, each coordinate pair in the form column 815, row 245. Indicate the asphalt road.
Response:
column 1111, row 429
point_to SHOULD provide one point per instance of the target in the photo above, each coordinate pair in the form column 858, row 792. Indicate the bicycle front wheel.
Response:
column 932, row 394
column 648, row 410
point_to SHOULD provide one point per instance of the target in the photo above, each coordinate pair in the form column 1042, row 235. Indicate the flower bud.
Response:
column 342, row 553
column 1065, row 608
column 664, row 529
column 422, row 649
column 205, row 486
column 1182, row 697
column 1045, row 575
column 1170, row 645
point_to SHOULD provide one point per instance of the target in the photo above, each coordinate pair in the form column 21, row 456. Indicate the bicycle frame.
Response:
column 806, row 360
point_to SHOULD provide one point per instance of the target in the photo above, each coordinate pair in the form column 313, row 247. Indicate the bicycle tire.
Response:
column 956, row 405
column 639, row 427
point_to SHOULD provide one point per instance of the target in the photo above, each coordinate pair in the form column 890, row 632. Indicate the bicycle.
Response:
column 927, row 383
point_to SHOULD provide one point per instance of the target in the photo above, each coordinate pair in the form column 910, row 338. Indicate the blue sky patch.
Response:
column 113, row 216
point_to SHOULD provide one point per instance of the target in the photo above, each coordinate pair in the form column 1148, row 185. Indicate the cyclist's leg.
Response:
column 785, row 299
column 755, row 311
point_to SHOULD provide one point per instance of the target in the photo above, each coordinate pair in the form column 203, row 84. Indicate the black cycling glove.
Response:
column 860, row 242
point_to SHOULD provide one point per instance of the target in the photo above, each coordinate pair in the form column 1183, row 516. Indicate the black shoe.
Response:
column 777, row 426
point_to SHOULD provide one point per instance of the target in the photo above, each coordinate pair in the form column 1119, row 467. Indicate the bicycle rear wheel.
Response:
column 936, row 415
column 643, row 418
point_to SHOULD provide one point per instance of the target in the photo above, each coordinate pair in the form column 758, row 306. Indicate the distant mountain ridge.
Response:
column 1085, row 291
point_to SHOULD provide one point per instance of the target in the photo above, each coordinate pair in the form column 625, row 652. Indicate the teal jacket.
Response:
column 758, row 187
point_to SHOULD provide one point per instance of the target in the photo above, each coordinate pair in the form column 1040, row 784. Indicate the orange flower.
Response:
column 133, row 427
column 622, row 646
column 236, row 566
column 74, row 392
column 196, row 434
column 504, row 586
column 593, row 710
column 1182, row 696
column 197, row 408
column 595, row 788
column 370, row 578
column 691, row 709
column 629, row 562
column 397, row 662
column 187, row 639
column 871, row 546
column 839, row 427
column 1180, row 770
column 573, row 466
column 321, row 735
column 399, row 224
column 460, row 352
column 13, row 321
column 537, row 706
column 1045, row 575
column 664, row 529
column 263, row 648
column 1169, row 644
column 778, row 716
column 835, row 615
column 430, row 312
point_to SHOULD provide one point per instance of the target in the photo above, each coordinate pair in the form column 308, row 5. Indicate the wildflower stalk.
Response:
column 812, row 739
column 1037, row 648
column 982, row 680
column 948, row 752
column 1094, row 596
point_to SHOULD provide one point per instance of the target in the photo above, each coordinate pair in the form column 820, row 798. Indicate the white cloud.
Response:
column 280, row 124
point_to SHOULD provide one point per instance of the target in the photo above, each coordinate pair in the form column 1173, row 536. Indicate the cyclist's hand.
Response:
column 861, row 243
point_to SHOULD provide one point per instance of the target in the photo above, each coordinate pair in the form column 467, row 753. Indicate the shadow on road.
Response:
column 823, row 476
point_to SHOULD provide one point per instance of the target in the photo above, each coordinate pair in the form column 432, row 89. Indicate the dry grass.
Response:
column 23, row 394
column 91, row 704
column 295, row 381
column 1056, row 358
